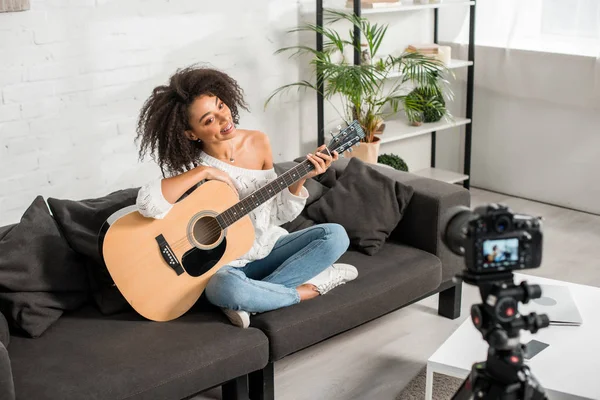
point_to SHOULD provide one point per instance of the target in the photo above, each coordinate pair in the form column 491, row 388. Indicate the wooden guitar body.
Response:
column 162, row 266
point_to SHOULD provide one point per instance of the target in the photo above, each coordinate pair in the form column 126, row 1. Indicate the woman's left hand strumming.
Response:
column 322, row 159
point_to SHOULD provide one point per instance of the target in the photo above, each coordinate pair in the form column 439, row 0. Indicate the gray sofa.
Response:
column 87, row 354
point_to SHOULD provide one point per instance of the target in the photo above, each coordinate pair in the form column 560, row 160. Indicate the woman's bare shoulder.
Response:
column 255, row 139
column 258, row 143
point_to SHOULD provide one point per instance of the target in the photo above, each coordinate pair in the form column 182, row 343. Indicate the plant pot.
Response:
column 366, row 152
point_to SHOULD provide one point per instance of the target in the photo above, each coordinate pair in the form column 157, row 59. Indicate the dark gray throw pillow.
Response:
column 40, row 275
column 366, row 203
column 81, row 222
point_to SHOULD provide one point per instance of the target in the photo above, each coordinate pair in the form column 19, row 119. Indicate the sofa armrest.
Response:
column 425, row 219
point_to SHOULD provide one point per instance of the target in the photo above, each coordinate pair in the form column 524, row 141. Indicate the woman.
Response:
column 189, row 128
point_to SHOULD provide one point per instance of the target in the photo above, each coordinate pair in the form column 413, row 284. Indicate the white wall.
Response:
column 74, row 74
column 537, row 127
column 536, row 124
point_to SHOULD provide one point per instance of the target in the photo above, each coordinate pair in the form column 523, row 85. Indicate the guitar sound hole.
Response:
column 207, row 231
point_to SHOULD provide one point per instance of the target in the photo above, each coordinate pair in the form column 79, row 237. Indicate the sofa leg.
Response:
column 449, row 302
column 262, row 383
column 235, row 389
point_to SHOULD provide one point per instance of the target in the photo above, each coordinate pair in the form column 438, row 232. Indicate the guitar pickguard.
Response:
column 196, row 261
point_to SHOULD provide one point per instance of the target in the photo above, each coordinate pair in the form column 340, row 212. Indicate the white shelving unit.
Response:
column 442, row 175
column 404, row 6
column 400, row 129
column 410, row 6
column 454, row 64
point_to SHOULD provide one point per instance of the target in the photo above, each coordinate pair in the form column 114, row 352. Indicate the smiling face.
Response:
column 210, row 120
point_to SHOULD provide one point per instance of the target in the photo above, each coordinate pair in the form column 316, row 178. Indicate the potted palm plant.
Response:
column 369, row 92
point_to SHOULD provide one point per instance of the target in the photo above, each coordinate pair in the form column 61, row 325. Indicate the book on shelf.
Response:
column 374, row 3
column 424, row 48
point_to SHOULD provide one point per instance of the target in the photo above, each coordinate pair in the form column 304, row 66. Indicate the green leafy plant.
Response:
column 369, row 92
column 425, row 104
column 393, row 161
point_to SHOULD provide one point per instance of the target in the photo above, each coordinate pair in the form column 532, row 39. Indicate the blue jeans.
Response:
column 271, row 282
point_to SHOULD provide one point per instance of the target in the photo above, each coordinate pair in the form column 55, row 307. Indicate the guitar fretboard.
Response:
column 264, row 194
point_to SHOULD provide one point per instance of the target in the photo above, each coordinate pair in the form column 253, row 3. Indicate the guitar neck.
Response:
column 264, row 194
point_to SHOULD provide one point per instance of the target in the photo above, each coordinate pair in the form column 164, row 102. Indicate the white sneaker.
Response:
column 333, row 276
column 238, row 318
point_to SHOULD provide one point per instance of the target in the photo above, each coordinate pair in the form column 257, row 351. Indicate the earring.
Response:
column 199, row 141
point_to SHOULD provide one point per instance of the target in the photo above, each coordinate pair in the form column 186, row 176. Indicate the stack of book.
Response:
column 428, row 49
column 374, row 3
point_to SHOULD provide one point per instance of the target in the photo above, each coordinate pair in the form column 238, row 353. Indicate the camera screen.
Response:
column 500, row 252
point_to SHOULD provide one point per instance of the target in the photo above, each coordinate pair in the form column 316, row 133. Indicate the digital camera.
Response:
column 494, row 239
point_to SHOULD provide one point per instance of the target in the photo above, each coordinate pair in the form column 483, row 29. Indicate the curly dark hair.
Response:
column 164, row 116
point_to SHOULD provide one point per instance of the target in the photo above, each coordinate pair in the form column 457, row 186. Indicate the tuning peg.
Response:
column 339, row 127
column 350, row 149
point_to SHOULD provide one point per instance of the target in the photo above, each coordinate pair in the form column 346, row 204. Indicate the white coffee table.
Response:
column 568, row 369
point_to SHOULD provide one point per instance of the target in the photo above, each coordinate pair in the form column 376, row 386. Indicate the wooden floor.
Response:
column 375, row 361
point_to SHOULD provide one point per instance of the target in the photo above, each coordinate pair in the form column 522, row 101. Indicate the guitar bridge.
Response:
column 167, row 254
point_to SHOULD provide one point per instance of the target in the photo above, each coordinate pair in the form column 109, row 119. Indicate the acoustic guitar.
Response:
column 162, row 266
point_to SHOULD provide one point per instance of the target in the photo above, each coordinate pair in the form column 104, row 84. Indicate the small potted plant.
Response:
column 394, row 161
column 369, row 92
column 425, row 104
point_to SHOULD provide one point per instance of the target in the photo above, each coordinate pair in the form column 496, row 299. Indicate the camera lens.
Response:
column 455, row 235
column 502, row 224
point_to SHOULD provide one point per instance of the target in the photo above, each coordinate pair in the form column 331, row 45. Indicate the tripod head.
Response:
column 504, row 374
column 497, row 318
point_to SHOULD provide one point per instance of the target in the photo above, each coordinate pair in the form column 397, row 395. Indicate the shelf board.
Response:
column 399, row 129
column 441, row 175
column 406, row 6
column 454, row 64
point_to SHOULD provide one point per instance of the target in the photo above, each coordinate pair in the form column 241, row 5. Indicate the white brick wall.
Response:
column 74, row 74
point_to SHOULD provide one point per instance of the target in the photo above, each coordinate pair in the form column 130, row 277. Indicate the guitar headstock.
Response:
column 346, row 138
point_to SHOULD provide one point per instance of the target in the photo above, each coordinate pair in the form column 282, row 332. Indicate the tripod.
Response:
column 503, row 375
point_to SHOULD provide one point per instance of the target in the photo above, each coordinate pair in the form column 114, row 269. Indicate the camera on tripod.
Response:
column 493, row 239
column 494, row 242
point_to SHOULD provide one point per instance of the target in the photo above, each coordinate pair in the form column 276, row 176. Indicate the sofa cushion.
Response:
column 390, row 279
column 87, row 355
column 81, row 222
column 40, row 275
column 366, row 203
